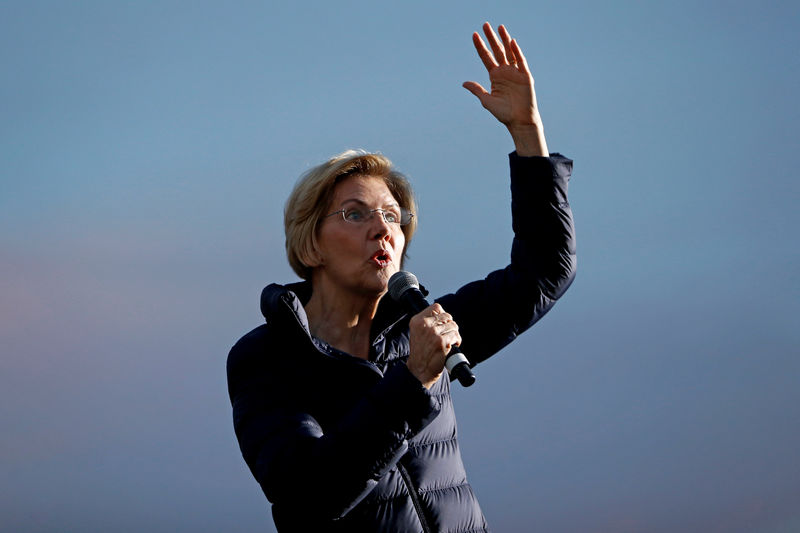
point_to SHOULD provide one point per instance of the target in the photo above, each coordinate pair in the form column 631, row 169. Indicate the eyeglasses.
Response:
column 359, row 215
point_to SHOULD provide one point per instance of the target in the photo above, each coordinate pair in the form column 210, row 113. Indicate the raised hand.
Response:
column 512, row 99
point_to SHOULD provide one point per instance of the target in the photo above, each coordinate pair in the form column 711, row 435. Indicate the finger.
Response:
column 477, row 90
column 450, row 331
column 446, row 322
column 497, row 48
column 507, row 44
column 521, row 62
column 427, row 316
column 446, row 325
column 453, row 338
column 440, row 321
column 483, row 52
column 432, row 320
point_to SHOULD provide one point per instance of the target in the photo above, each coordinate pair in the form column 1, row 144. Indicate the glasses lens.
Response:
column 355, row 215
column 392, row 215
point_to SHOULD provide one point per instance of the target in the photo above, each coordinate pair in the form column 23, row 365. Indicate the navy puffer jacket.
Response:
column 340, row 443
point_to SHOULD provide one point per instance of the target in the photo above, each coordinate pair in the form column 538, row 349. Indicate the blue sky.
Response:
column 146, row 150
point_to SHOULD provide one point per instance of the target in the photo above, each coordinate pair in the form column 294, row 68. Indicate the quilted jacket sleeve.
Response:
column 493, row 311
column 302, row 469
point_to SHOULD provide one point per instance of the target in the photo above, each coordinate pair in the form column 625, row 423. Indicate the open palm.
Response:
column 512, row 99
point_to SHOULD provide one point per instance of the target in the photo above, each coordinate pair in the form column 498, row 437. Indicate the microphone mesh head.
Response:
column 400, row 282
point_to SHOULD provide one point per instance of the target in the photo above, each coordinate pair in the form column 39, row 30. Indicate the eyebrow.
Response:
column 360, row 202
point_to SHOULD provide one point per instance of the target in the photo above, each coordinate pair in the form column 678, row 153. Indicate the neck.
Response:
column 341, row 318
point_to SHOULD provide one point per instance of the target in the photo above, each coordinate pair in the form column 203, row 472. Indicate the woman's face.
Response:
column 360, row 257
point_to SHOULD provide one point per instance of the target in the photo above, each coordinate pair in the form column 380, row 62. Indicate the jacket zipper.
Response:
column 412, row 491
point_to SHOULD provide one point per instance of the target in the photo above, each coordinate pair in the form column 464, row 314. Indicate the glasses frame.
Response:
column 371, row 212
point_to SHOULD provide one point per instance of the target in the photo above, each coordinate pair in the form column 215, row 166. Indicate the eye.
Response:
column 353, row 215
column 391, row 216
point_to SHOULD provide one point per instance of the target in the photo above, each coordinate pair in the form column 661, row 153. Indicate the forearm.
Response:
column 544, row 232
column 542, row 261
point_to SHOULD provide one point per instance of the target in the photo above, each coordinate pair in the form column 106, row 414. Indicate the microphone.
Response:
column 404, row 289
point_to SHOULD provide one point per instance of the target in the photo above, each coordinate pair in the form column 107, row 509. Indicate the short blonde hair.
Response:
column 309, row 201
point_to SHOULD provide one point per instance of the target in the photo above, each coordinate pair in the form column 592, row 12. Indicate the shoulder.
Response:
column 257, row 358
column 252, row 350
column 252, row 339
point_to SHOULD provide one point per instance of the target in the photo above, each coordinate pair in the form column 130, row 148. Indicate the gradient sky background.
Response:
column 147, row 148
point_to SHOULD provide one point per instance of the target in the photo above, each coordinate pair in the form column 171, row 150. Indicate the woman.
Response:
column 339, row 403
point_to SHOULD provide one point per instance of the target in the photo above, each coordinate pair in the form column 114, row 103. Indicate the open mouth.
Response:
column 381, row 258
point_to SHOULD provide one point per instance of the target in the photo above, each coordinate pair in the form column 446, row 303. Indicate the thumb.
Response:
column 476, row 89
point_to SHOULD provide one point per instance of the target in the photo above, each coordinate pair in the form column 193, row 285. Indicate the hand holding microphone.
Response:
column 434, row 336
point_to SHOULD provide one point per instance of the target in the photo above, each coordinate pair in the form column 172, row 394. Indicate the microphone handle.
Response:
column 456, row 362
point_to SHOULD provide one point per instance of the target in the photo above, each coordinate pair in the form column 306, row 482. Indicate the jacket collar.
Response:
column 280, row 303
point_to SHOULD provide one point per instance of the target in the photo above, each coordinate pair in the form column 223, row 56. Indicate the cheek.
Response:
column 399, row 242
column 336, row 244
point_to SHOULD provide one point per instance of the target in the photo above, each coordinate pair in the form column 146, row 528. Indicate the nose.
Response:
column 382, row 230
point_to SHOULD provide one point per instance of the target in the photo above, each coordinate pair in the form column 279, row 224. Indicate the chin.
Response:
column 388, row 272
column 380, row 282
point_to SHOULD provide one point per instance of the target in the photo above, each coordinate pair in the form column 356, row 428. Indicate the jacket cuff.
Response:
column 556, row 166
column 538, row 185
